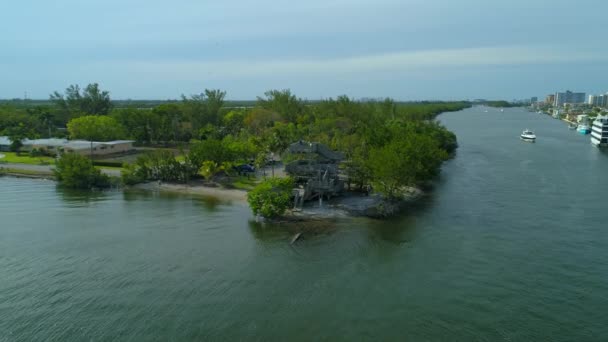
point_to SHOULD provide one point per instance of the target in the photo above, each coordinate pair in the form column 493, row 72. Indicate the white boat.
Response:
column 599, row 131
column 572, row 126
column 583, row 129
column 528, row 135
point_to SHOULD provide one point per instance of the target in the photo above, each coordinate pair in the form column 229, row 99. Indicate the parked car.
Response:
column 244, row 169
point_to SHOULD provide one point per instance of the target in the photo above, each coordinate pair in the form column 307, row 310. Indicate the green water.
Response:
column 511, row 245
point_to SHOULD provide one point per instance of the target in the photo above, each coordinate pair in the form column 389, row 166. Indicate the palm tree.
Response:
column 47, row 118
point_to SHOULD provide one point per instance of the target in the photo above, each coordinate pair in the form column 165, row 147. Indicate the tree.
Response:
column 76, row 171
column 158, row 165
column 276, row 141
column 204, row 108
column 210, row 150
column 233, row 121
column 46, row 118
column 141, row 125
column 282, row 102
column 214, row 102
column 171, row 119
column 16, row 135
column 209, row 169
column 95, row 128
column 404, row 161
column 272, row 197
column 98, row 128
column 259, row 119
column 91, row 100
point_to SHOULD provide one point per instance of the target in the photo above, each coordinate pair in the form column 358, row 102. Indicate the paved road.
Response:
column 48, row 168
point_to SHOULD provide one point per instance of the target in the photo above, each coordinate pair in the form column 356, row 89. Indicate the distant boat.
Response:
column 502, row 110
column 583, row 129
column 572, row 126
column 528, row 135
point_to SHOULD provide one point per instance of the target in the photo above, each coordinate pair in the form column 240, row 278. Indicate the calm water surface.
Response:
column 511, row 245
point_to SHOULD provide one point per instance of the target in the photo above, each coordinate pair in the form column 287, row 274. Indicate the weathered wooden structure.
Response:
column 315, row 171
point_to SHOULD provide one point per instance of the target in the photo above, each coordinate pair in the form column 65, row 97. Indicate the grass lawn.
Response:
column 244, row 183
column 24, row 172
column 24, row 158
column 110, row 168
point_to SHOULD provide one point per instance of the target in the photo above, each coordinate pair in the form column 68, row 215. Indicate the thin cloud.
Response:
column 388, row 62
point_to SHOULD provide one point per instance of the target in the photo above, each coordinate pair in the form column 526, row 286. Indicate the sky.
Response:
column 404, row 49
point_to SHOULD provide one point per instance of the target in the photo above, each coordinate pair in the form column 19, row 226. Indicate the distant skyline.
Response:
column 404, row 49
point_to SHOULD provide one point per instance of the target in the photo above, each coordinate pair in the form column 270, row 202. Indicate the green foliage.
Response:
column 499, row 104
column 158, row 165
column 209, row 169
column 217, row 151
column 172, row 124
column 405, row 160
column 233, row 121
column 132, row 174
column 74, row 103
column 141, row 125
column 16, row 135
column 108, row 163
column 95, row 128
column 203, row 109
column 38, row 153
column 272, row 197
column 76, row 171
column 283, row 102
column 386, row 143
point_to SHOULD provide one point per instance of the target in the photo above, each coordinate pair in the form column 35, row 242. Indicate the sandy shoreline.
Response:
column 201, row 190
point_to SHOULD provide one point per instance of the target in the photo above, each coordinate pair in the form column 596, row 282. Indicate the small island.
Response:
column 284, row 151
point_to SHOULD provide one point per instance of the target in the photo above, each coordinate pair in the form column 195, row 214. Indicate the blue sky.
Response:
column 405, row 49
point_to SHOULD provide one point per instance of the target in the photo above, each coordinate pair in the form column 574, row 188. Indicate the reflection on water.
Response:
column 271, row 231
column 77, row 197
column 209, row 203
column 397, row 231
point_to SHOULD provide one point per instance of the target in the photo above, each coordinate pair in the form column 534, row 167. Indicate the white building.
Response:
column 598, row 100
column 599, row 131
column 568, row 97
column 592, row 100
column 5, row 144
column 55, row 146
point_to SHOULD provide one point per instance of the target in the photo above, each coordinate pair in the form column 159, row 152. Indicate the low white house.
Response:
column 55, row 145
column 5, row 144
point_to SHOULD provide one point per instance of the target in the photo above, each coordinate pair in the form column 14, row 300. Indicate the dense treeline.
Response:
column 500, row 104
column 386, row 143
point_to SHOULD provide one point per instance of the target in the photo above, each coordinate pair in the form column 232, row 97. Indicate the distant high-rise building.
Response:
column 534, row 99
column 598, row 100
column 568, row 97
column 592, row 100
column 550, row 99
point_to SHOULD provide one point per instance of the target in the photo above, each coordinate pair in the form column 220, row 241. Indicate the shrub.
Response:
column 158, row 165
column 271, row 198
column 132, row 175
column 76, row 171
column 36, row 153
column 107, row 163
